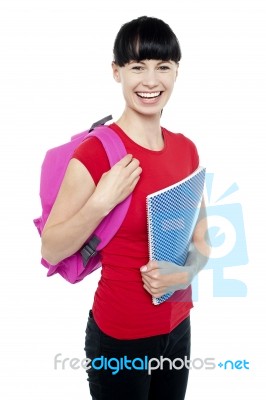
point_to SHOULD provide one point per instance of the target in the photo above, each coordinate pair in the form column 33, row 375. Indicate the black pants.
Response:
column 115, row 382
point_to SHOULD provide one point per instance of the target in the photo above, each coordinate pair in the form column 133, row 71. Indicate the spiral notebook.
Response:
column 172, row 214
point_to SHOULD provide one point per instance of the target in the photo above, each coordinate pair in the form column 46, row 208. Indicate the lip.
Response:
column 148, row 100
column 149, row 94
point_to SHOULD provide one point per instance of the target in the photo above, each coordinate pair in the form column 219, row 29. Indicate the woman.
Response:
column 123, row 323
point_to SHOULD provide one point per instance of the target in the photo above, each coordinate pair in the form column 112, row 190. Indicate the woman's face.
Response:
column 147, row 85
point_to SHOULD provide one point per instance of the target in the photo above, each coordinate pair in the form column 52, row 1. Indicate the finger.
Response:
column 125, row 160
column 151, row 266
column 155, row 285
column 146, row 280
column 128, row 165
column 134, row 183
column 166, row 265
column 135, row 175
column 154, row 264
column 153, row 292
column 132, row 166
column 147, row 289
column 148, row 284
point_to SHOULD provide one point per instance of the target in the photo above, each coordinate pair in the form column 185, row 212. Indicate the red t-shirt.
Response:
column 122, row 308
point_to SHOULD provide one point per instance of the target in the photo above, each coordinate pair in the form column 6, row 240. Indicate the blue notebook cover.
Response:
column 172, row 214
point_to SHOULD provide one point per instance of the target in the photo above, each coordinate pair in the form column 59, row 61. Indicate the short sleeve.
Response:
column 194, row 157
column 92, row 155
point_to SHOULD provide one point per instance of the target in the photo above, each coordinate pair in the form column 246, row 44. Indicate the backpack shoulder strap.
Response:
column 113, row 145
column 115, row 150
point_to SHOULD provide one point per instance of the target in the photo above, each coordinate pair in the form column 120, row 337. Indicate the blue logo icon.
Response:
column 228, row 242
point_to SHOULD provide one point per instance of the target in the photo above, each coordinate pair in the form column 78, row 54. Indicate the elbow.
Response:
column 48, row 255
column 203, row 246
column 201, row 240
column 207, row 250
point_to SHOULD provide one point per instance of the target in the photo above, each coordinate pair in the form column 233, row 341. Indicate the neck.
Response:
column 143, row 129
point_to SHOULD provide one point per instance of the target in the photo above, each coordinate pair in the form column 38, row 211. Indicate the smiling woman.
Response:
column 147, row 85
column 123, row 321
column 146, row 57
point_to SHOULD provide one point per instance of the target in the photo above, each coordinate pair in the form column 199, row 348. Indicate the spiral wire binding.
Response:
column 172, row 214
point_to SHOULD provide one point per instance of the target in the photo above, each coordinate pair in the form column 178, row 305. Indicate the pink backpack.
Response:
column 87, row 259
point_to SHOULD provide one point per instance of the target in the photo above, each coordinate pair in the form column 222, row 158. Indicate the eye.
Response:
column 164, row 67
column 137, row 68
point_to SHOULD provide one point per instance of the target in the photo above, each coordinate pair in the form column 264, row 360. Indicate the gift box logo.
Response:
column 228, row 242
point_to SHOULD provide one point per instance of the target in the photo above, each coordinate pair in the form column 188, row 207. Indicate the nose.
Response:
column 150, row 78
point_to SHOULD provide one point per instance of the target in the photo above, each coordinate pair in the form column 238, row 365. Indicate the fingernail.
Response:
column 144, row 268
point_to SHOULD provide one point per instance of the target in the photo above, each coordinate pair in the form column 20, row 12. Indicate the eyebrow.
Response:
column 143, row 63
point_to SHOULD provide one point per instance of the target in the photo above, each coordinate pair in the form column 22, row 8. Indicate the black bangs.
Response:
column 146, row 38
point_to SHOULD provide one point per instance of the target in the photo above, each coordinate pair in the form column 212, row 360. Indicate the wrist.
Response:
column 182, row 278
column 98, row 205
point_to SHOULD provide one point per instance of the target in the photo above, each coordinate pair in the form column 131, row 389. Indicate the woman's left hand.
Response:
column 160, row 277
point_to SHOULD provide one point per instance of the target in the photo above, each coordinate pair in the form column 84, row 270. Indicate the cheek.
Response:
column 129, row 80
column 128, row 87
column 170, row 84
column 125, row 89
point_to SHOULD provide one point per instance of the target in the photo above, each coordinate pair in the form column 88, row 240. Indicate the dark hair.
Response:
column 146, row 38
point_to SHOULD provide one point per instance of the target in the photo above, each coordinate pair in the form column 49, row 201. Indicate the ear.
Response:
column 116, row 73
column 176, row 74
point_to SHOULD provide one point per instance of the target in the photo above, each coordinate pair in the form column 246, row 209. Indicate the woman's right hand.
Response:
column 118, row 183
column 80, row 206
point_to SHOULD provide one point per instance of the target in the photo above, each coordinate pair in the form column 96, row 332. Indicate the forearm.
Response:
column 176, row 277
column 198, row 255
column 200, row 247
column 64, row 239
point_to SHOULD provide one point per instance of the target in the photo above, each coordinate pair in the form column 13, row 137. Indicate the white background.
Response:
column 55, row 81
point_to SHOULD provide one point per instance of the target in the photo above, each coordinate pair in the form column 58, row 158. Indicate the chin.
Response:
column 148, row 110
column 151, row 113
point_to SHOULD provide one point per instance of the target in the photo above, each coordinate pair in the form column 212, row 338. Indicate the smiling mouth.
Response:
column 148, row 95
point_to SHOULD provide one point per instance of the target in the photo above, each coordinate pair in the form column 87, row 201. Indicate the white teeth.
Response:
column 149, row 95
